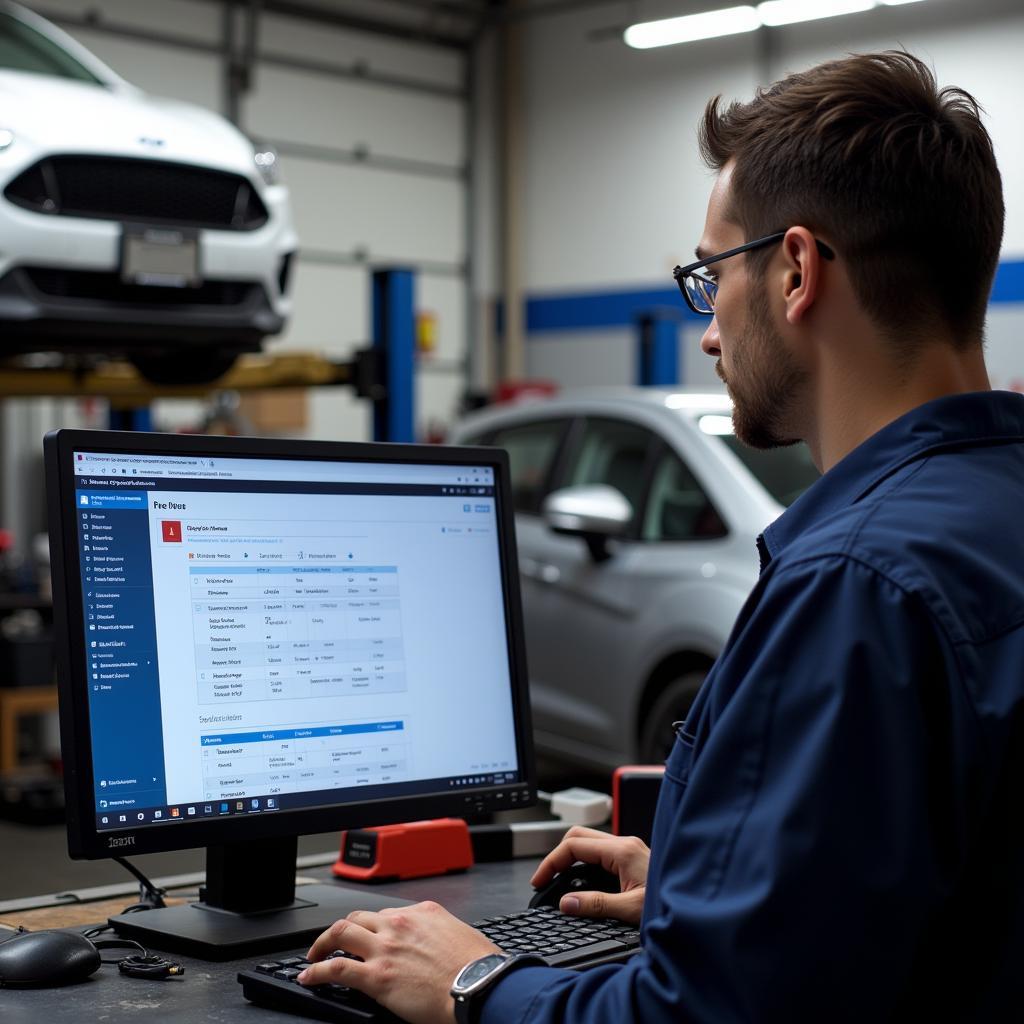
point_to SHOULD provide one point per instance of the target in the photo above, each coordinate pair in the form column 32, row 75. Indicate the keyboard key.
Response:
column 267, row 968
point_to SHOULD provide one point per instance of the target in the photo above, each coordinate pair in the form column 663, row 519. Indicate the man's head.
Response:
column 897, row 176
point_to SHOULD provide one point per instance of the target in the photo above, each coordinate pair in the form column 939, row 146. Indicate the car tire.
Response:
column 201, row 367
column 671, row 705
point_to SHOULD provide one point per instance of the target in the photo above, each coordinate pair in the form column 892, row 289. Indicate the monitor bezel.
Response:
column 84, row 840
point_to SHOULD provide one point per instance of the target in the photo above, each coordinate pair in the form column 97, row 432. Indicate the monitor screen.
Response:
column 269, row 637
column 261, row 639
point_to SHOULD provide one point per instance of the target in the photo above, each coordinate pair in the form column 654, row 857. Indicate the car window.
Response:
column 531, row 450
column 612, row 452
column 677, row 508
column 785, row 473
column 22, row 48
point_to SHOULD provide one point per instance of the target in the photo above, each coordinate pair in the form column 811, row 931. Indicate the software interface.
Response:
column 263, row 634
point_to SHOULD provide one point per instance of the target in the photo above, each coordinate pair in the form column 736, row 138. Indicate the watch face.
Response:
column 472, row 973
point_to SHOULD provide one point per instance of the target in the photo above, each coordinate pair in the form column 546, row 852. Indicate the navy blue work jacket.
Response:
column 839, row 835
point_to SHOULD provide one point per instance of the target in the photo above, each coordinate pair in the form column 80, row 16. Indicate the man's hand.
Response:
column 410, row 955
column 625, row 856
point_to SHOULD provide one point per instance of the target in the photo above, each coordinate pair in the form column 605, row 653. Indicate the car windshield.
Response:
column 785, row 473
column 22, row 48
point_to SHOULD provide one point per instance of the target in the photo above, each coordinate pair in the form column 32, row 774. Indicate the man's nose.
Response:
column 710, row 344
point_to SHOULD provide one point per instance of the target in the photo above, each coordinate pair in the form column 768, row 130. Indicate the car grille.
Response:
column 147, row 191
column 106, row 287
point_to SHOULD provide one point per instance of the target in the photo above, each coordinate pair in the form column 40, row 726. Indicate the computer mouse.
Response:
column 578, row 878
column 46, row 959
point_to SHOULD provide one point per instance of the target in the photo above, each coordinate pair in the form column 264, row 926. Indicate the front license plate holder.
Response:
column 160, row 257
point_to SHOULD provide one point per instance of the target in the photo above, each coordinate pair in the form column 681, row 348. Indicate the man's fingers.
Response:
column 365, row 919
column 623, row 906
column 345, row 934
column 339, row 970
column 593, row 848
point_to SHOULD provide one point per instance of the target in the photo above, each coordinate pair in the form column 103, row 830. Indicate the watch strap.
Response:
column 468, row 1004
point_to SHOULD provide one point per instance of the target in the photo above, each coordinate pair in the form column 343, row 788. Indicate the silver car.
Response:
column 636, row 516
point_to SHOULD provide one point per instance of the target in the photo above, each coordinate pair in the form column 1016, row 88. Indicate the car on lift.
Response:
column 133, row 226
column 637, row 511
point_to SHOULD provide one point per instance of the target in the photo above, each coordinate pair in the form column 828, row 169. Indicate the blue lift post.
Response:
column 657, row 363
column 394, row 338
column 392, row 387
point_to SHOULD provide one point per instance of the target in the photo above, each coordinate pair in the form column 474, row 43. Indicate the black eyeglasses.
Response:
column 700, row 291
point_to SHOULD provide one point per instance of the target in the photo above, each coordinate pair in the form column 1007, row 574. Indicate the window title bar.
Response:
column 187, row 467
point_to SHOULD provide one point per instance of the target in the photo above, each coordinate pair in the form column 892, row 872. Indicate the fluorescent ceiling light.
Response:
column 731, row 21
column 727, row 22
column 787, row 12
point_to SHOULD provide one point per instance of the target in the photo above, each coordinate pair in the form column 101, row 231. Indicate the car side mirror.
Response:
column 595, row 512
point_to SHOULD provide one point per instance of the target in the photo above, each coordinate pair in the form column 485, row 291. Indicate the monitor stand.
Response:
column 248, row 906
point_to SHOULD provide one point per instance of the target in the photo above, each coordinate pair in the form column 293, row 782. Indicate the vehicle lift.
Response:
column 383, row 373
column 657, row 351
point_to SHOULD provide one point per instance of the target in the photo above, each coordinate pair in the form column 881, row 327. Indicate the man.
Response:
column 839, row 833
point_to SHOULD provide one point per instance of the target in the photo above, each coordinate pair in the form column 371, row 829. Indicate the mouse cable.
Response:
column 135, row 966
column 150, row 897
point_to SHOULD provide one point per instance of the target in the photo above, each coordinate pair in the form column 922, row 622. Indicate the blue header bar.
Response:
column 276, row 735
column 259, row 570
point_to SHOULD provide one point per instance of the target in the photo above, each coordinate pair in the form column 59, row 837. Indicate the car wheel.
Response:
column 200, row 367
column 672, row 705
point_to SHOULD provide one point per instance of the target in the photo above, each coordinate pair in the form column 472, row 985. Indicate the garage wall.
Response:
column 404, row 204
column 616, row 191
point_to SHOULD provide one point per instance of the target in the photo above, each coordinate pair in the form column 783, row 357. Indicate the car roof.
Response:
column 578, row 400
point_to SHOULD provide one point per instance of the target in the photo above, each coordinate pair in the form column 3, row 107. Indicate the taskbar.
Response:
column 113, row 818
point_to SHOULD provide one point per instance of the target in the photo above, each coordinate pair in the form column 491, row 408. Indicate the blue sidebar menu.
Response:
column 121, row 652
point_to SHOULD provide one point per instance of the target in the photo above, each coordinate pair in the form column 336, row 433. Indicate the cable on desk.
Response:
column 135, row 966
column 150, row 897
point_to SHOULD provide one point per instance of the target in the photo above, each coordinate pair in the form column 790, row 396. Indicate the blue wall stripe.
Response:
column 585, row 310
column 1009, row 282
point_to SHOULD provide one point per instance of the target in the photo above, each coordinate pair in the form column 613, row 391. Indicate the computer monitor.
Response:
column 259, row 639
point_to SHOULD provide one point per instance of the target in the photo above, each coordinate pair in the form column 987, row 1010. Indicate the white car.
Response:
column 636, row 516
column 130, row 225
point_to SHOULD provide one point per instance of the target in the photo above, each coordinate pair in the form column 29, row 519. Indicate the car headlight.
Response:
column 6, row 139
column 265, row 158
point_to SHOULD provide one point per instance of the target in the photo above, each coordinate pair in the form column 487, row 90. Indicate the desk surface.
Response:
column 209, row 994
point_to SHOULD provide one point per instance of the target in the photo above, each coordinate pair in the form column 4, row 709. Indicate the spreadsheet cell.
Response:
column 295, row 632
column 301, row 764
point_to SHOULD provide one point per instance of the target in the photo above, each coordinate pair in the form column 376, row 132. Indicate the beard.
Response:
column 764, row 381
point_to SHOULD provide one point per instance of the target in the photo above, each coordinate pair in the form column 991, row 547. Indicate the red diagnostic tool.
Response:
column 413, row 850
column 635, row 789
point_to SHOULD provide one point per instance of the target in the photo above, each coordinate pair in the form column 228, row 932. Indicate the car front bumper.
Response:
column 61, row 287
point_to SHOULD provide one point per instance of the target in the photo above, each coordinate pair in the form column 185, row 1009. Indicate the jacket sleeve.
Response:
column 800, row 842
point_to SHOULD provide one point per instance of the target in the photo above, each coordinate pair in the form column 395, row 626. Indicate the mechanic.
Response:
column 839, row 835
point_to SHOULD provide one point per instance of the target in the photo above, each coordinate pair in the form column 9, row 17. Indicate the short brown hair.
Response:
column 898, row 175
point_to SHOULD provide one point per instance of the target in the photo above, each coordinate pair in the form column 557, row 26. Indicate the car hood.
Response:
column 62, row 116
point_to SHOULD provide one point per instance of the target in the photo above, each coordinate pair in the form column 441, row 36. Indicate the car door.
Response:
column 592, row 634
column 534, row 448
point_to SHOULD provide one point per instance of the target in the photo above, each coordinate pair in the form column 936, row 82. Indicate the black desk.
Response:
column 208, row 992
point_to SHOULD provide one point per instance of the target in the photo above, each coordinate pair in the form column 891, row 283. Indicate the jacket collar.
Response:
column 979, row 418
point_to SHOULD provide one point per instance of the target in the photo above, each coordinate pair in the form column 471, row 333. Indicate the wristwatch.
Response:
column 477, row 977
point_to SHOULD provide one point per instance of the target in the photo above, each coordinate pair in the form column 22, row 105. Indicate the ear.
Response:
column 801, row 272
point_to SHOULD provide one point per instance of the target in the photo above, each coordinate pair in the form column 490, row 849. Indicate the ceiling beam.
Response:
column 376, row 26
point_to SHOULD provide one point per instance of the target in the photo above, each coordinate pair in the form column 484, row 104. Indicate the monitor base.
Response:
column 211, row 933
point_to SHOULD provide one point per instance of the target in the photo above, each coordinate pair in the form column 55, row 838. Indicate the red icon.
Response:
column 171, row 529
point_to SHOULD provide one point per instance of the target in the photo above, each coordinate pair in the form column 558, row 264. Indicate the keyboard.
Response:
column 575, row 943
